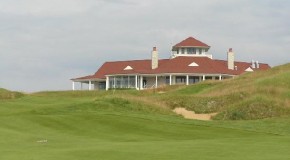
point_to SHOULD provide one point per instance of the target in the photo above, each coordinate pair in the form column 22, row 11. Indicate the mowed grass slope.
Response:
column 141, row 125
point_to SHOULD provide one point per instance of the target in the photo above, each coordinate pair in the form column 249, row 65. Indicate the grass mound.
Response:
column 253, row 108
column 6, row 94
column 95, row 101
column 265, row 95
column 257, row 95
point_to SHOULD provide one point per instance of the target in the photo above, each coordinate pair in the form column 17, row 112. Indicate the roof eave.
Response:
column 87, row 79
column 190, row 46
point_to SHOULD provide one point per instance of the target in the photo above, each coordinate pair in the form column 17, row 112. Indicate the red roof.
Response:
column 175, row 65
column 191, row 42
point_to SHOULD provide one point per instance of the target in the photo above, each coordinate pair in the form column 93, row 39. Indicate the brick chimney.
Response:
column 154, row 58
column 231, row 59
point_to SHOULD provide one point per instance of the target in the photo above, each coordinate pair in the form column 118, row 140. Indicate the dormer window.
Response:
column 182, row 50
column 190, row 50
column 128, row 68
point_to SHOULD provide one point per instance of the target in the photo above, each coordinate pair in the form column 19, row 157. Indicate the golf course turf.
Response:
column 70, row 128
column 253, row 122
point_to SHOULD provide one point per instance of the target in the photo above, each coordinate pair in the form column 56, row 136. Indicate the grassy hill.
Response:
column 141, row 125
column 6, row 94
column 251, row 96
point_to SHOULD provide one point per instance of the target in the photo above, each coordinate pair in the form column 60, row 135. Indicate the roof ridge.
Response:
column 132, row 60
column 191, row 41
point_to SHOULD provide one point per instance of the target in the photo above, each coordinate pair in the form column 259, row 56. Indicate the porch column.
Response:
column 187, row 79
column 203, row 77
column 156, row 81
column 170, row 80
column 141, row 83
column 121, row 81
column 136, row 81
column 81, row 86
column 90, row 85
column 73, row 85
column 107, row 83
column 128, row 82
column 220, row 77
column 114, row 82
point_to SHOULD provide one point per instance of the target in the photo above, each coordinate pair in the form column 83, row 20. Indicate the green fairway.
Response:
column 95, row 125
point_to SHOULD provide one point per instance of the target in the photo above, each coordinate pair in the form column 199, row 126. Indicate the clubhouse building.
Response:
column 190, row 63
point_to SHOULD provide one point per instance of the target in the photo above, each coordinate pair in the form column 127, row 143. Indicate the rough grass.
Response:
column 255, row 95
column 6, row 94
column 257, row 107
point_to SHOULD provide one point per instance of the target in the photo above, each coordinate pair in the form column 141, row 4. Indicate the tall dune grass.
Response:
column 6, row 94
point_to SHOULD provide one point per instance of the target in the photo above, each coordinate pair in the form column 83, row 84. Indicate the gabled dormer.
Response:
column 191, row 47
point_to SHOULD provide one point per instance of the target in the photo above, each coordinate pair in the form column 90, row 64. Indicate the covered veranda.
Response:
column 89, row 84
column 143, row 81
column 147, row 81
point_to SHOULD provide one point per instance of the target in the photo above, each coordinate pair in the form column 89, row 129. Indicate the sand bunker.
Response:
column 191, row 115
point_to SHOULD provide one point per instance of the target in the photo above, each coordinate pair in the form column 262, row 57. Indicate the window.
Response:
column 182, row 50
column 197, row 51
column 167, row 80
column 208, row 78
column 189, row 50
column 111, row 82
column 118, row 82
column 193, row 79
column 180, row 79
column 132, row 81
column 102, row 85
column 124, row 83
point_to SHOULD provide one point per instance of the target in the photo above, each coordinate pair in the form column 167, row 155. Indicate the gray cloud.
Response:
column 45, row 43
column 42, row 8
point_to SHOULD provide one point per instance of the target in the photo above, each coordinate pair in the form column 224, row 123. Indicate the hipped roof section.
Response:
column 175, row 65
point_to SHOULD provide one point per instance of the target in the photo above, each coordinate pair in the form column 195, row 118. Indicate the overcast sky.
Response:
column 44, row 43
